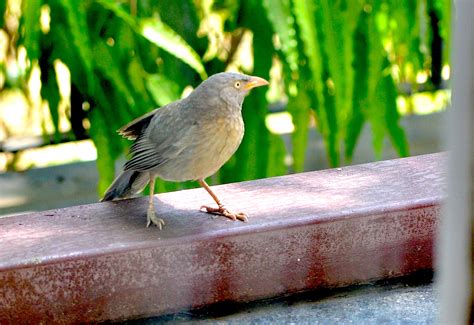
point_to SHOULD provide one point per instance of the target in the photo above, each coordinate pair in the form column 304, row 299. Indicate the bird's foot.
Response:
column 222, row 211
column 151, row 218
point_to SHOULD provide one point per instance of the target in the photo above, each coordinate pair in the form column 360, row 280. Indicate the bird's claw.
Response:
column 151, row 218
column 226, row 213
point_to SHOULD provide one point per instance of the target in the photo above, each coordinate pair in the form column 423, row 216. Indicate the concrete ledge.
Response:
column 320, row 229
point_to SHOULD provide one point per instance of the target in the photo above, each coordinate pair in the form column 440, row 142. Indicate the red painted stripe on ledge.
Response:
column 320, row 229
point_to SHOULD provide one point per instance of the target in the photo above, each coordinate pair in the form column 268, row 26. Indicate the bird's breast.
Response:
column 227, row 134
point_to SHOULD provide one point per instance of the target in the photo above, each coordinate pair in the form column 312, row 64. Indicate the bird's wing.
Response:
column 136, row 127
column 166, row 136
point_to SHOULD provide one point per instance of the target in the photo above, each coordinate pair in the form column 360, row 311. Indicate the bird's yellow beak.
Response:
column 255, row 82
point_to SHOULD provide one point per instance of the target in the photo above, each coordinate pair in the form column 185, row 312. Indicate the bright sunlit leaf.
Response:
column 164, row 37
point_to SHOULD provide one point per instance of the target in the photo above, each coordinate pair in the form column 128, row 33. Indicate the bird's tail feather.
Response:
column 127, row 184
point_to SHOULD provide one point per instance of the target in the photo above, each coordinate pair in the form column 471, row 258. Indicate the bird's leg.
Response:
column 151, row 215
column 220, row 210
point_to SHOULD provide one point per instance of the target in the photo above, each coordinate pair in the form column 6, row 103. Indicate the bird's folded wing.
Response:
column 133, row 129
column 167, row 135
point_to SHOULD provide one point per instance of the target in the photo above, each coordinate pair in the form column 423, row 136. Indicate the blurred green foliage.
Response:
column 340, row 61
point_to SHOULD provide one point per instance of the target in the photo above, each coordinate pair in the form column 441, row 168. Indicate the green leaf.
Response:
column 311, row 87
column 110, row 68
column 360, row 97
column 328, row 117
column 334, row 48
column 3, row 7
column 182, row 17
column 304, row 12
column 276, row 155
column 354, row 128
column 106, row 155
column 160, row 34
column 119, row 12
column 163, row 89
column 401, row 20
column 137, row 82
column 445, row 27
column 68, row 19
column 338, row 20
column 106, row 117
column 50, row 92
column 331, row 138
column 376, row 57
column 164, row 37
column 162, row 186
column 387, row 101
column 347, row 22
column 30, row 30
column 299, row 108
column 279, row 14
column 313, row 74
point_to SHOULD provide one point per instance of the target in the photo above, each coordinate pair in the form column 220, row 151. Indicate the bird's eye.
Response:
column 237, row 84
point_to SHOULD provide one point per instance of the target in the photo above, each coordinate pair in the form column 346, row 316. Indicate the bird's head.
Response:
column 230, row 86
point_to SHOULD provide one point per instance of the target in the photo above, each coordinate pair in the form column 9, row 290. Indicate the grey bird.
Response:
column 189, row 139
